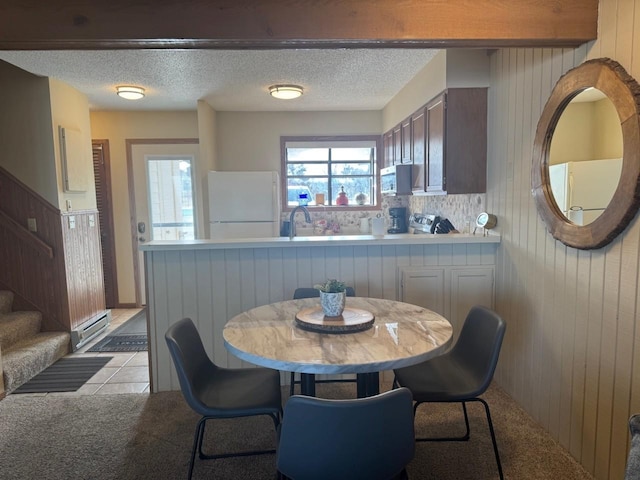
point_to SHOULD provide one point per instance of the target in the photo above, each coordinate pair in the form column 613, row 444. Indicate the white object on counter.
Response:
column 377, row 226
column 364, row 225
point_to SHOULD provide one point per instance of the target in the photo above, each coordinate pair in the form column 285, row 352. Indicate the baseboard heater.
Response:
column 89, row 330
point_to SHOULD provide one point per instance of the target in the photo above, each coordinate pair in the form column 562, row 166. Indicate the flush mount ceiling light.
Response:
column 130, row 92
column 285, row 92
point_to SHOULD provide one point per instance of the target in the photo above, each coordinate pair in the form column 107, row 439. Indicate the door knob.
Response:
column 142, row 239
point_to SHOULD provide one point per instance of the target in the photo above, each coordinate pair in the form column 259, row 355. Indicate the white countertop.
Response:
column 320, row 241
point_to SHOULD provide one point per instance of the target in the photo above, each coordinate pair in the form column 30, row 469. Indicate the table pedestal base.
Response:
column 368, row 384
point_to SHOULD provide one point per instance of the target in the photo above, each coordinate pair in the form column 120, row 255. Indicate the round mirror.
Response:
column 585, row 157
column 586, row 168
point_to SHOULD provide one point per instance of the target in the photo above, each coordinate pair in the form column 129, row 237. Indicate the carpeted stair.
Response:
column 25, row 350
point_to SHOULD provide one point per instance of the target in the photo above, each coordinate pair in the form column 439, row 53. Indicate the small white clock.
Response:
column 486, row 221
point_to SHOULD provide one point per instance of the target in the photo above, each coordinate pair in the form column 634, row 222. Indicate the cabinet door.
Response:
column 418, row 149
column 423, row 286
column 387, row 146
column 435, row 112
column 469, row 286
column 405, row 150
column 397, row 144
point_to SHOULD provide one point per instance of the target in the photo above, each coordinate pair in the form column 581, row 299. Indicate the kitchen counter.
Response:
column 322, row 241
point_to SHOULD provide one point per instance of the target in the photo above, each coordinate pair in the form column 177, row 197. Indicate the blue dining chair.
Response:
column 215, row 392
column 463, row 373
column 364, row 438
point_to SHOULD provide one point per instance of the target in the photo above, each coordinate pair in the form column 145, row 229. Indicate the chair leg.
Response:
column 197, row 445
column 464, row 438
column 493, row 436
column 292, row 384
column 204, row 456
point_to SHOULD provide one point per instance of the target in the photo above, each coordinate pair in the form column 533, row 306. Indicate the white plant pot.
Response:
column 332, row 303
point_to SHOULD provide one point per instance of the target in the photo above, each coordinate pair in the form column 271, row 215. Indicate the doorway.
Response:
column 102, row 174
column 161, row 195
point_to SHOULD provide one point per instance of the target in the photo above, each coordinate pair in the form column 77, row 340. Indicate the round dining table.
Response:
column 400, row 335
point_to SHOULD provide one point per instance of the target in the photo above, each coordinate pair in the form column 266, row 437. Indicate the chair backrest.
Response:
column 307, row 292
column 189, row 358
column 370, row 438
column 633, row 460
column 479, row 343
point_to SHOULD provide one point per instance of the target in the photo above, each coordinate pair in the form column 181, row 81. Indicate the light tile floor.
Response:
column 126, row 372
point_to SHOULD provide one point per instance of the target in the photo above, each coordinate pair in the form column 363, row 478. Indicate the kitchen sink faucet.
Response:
column 292, row 225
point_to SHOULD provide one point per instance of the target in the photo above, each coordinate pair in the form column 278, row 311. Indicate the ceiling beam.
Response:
column 233, row 24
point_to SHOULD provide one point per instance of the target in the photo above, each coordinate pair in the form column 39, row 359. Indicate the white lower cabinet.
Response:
column 450, row 291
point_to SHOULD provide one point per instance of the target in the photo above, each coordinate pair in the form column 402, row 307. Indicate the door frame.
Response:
column 130, row 142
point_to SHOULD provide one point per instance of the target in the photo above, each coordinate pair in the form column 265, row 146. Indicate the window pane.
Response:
column 351, row 169
column 171, row 199
column 351, row 153
column 310, row 186
column 298, row 169
column 307, row 154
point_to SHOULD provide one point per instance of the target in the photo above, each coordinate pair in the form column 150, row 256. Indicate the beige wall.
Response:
column 70, row 109
column 207, row 125
column 117, row 127
column 571, row 355
column 26, row 142
column 448, row 69
column 251, row 140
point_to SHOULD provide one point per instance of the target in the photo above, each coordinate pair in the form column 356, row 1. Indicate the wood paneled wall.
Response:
column 571, row 355
column 68, row 288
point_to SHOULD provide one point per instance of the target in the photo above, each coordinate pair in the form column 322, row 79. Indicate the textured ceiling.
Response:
column 231, row 80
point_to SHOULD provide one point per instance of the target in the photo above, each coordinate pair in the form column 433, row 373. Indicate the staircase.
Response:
column 25, row 350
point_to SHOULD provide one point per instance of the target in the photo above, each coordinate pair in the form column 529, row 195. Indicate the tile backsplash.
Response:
column 458, row 209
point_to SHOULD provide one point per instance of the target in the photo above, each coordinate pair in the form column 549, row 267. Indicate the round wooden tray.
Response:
column 351, row 320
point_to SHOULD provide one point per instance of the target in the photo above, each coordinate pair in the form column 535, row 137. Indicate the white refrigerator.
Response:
column 244, row 204
column 583, row 190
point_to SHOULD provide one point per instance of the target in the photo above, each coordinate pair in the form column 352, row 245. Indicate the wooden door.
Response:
column 405, row 150
column 397, row 144
column 102, row 174
column 387, row 142
column 435, row 112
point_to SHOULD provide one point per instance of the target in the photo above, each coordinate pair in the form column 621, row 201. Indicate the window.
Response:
column 316, row 170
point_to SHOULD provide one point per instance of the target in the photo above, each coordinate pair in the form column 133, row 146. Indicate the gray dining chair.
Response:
column 632, row 471
column 463, row 373
column 309, row 292
column 368, row 438
column 215, row 392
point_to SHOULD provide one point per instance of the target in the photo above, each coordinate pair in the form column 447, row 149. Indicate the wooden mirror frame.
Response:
column 610, row 78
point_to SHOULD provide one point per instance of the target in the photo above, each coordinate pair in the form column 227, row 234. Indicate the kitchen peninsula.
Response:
column 211, row 281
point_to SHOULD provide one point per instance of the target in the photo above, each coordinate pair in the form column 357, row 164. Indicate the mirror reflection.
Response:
column 585, row 156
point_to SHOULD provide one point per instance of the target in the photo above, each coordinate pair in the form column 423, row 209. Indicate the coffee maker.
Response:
column 398, row 220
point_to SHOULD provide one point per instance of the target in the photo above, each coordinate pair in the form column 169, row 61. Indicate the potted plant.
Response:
column 332, row 297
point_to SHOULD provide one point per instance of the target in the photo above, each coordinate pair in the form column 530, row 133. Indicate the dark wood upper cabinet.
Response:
column 397, row 144
column 457, row 142
column 418, row 149
column 387, row 146
column 446, row 140
column 405, row 135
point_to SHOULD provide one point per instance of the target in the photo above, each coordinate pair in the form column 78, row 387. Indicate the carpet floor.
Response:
column 142, row 436
column 66, row 375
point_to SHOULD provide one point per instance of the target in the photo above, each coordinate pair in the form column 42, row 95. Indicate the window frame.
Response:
column 377, row 139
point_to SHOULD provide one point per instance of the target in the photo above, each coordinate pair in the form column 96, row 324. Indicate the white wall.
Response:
column 26, row 142
column 251, row 140
column 70, row 109
column 571, row 355
column 117, row 127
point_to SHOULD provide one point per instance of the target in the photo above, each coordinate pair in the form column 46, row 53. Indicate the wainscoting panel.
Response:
column 212, row 286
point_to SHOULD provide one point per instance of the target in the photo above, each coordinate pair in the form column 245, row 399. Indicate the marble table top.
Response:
column 402, row 335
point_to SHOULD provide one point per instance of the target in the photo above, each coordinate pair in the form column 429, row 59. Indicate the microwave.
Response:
column 396, row 180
